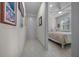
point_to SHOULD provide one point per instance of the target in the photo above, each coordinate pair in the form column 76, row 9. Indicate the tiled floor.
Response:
column 33, row 48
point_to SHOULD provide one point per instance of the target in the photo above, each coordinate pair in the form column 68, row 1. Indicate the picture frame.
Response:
column 40, row 21
column 9, row 13
column 21, row 8
column 2, row 10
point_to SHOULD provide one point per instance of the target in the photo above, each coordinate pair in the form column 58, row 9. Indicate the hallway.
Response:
column 24, row 33
column 33, row 46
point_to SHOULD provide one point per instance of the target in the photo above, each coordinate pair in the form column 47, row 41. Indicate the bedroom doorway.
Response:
column 59, row 28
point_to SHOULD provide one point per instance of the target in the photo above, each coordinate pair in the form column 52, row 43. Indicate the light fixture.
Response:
column 50, row 5
column 60, row 12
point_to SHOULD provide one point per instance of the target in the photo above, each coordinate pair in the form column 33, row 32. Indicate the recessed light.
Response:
column 50, row 5
column 60, row 12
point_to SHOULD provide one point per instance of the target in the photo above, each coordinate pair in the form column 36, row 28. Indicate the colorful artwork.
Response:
column 8, row 13
column 11, row 15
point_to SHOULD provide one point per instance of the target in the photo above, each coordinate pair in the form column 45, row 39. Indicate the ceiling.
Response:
column 57, row 7
column 32, row 8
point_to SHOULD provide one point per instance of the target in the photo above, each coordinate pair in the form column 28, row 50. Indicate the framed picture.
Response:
column 9, row 13
column 2, row 10
column 40, row 21
column 21, row 8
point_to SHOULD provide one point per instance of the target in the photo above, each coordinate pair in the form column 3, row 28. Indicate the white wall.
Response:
column 12, row 38
column 41, row 30
column 21, row 31
column 75, row 28
column 51, row 23
column 31, row 27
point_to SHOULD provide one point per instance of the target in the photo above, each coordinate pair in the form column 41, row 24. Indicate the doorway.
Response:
column 59, row 28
